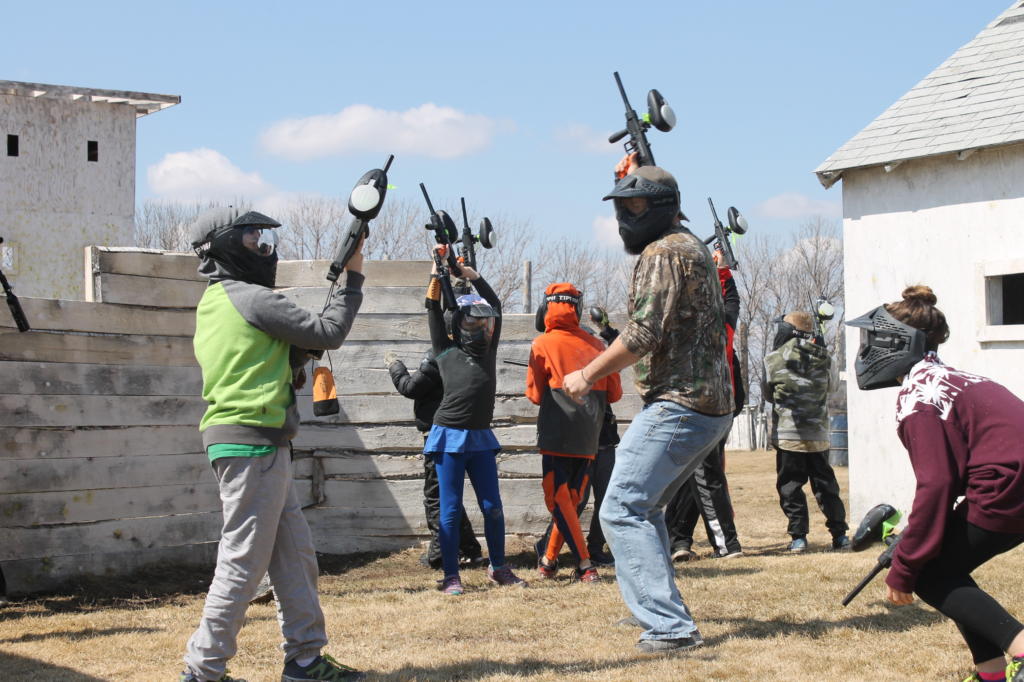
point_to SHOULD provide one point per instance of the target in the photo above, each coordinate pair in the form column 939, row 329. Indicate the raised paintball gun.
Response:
column 444, row 233
column 659, row 114
column 823, row 311
column 364, row 203
column 721, row 237
column 879, row 524
column 486, row 238
column 13, row 303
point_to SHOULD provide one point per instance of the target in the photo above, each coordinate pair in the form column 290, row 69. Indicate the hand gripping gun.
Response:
column 445, row 233
column 486, row 238
column 879, row 524
column 364, row 203
column 721, row 237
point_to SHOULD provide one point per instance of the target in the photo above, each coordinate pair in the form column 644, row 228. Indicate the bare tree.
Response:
column 311, row 227
column 164, row 225
column 398, row 232
column 503, row 265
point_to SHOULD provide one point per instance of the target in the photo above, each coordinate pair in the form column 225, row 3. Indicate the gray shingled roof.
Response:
column 144, row 102
column 975, row 99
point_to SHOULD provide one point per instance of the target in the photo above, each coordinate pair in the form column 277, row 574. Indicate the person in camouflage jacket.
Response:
column 798, row 381
column 675, row 339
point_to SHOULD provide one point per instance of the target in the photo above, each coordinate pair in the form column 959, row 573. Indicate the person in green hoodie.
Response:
column 798, row 381
column 251, row 343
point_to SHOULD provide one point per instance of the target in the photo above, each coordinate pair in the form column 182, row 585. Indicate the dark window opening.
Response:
column 93, row 152
column 12, row 145
column 1013, row 298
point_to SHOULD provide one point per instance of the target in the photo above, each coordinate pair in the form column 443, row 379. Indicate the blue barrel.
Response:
column 839, row 454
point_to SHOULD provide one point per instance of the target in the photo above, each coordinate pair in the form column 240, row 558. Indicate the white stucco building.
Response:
column 933, row 193
column 67, row 179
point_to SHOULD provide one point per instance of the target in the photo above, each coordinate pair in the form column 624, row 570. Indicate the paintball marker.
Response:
column 487, row 238
column 878, row 525
column 659, row 114
column 823, row 311
column 517, row 363
column 737, row 225
column 444, row 233
column 364, row 203
column 13, row 303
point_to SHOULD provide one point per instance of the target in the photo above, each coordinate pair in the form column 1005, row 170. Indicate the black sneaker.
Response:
column 322, row 667
column 683, row 554
column 670, row 646
column 599, row 557
column 841, row 543
column 189, row 677
column 477, row 561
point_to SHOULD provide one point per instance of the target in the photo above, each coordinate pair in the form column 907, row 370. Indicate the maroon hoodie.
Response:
column 965, row 436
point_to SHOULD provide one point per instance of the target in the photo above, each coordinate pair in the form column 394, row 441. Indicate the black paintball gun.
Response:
column 878, row 525
column 823, row 311
column 13, row 303
column 364, row 203
column 721, row 237
column 659, row 114
column 517, row 363
column 445, row 233
column 486, row 238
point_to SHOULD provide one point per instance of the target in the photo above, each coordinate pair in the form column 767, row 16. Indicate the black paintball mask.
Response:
column 243, row 246
column 661, row 191
column 888, row 349
column 784, row 331
column 563, row 297
column 473, row 324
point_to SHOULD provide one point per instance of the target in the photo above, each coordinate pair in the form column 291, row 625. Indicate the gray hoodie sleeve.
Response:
column 273, row 313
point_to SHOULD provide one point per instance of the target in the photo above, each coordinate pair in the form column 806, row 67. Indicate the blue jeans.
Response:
column 661, row 449
column 482, row 468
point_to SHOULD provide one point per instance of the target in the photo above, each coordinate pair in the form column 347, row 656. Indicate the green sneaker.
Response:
column 322, row 667
column 1015, row 671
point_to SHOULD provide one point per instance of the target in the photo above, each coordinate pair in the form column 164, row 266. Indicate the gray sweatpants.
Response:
column 264, row 531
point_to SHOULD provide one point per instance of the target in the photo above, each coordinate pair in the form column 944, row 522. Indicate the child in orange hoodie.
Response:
column 567, row 431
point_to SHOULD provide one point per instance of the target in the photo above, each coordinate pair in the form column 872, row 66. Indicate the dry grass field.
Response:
column 766, row 616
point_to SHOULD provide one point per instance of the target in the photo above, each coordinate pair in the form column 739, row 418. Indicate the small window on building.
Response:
column 93, row 151
column 1013, row 298
column 12, row 145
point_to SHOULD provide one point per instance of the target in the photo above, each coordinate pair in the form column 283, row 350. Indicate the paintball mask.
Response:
column 888, row 349
column 473, row 324
column 662, row 193
column 244, row 246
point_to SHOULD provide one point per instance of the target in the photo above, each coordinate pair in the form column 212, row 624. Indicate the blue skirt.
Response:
column 450, row 439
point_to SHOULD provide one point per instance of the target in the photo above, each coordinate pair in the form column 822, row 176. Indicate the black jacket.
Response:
column 423, row 386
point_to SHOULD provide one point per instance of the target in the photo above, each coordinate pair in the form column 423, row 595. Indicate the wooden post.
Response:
column 527, row 286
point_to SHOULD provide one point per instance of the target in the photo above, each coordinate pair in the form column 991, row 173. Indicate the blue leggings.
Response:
column 482, row 468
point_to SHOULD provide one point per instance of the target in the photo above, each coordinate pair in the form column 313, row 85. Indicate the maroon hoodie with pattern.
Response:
column 965, row 436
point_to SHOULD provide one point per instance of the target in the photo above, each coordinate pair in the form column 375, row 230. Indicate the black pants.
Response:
column 705, row 494
column 600, row 474
column 468, row 545
column 794, row 470
column 945, row 583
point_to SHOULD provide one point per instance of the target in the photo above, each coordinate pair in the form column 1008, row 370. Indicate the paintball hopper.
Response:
column 877, row 525
column 659, row 113
column 823, row 309
column 737, row 223
column 364, row 203
column 486, row 237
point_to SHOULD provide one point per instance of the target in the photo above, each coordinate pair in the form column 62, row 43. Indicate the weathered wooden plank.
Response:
column 32, row 443
column 183, row 266
column 104, row 349
column 87, row 473
column 109, row 536
column 376, row 299
column 84, row 316
column 98, row 410
column 334, row 543
column 368, row 466
column 49, row 378
column 26, row 576
column 149, row 291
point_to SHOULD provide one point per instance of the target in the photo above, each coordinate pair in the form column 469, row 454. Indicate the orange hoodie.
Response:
column 564, row 427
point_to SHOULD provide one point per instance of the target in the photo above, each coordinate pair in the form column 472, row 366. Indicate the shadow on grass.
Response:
column 713, row 569
column 87, row 633
column 902, row 620
column 476, row 668
column 21, row 668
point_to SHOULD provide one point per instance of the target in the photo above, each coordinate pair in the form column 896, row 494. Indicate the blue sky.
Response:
column 506, row 104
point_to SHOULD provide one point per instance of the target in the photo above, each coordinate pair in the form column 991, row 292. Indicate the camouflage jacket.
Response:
column 798, row 380
column 677, row 326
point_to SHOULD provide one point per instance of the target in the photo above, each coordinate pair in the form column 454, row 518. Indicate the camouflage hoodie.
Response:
column 798, row 380
column 677, row 326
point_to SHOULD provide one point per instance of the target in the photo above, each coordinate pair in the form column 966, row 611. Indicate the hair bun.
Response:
column 920, row 293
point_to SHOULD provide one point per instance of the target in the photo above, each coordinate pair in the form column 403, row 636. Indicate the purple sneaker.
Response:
column 505, row 577
column 451, row 585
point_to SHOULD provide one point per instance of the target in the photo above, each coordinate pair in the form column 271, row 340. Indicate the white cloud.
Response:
column 428, row 130
column 606, row 231
column 203, row 174
column 585, row 139
column 794, row 205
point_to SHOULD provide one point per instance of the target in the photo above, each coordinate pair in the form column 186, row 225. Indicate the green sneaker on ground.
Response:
column 322, row 667
column 1015, row 671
